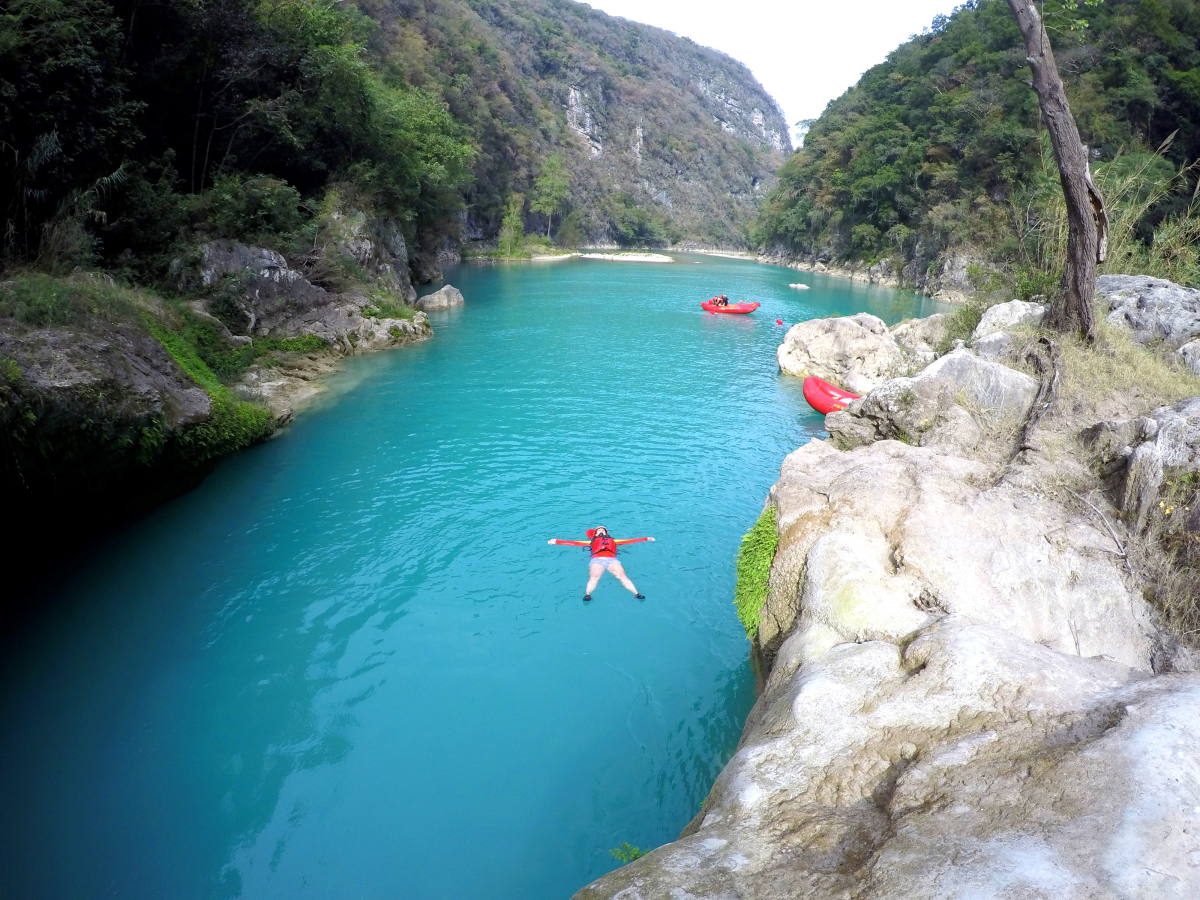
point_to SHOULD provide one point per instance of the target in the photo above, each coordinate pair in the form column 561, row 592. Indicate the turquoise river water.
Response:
column 349, row 665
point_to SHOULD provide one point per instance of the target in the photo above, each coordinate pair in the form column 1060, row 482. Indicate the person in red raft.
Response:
column 603, row 548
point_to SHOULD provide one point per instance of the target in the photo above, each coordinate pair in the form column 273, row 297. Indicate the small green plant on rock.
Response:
column 627, row 853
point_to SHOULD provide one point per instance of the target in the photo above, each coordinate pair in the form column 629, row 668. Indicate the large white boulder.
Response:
column 1152, row 309
column 965, row 762
column 875, row 542
column 443, row 298
column 859, row 352
column 1143, row 450
column 1005, row 317
column 961, row 400
column 1189, row 354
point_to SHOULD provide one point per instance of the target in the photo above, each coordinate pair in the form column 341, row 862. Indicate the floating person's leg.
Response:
column 595, row 570
column 618, row 571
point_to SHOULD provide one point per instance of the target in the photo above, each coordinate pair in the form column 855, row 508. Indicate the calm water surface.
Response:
column 348, row 664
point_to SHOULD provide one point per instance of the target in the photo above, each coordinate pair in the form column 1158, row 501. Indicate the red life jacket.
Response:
column 603, row 545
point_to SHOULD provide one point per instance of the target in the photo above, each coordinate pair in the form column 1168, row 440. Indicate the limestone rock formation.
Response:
column 1141, row 451
column 1157, row 310
column 968, row 694
column 1007, row 316
column 858, row 352
column 1190, row 354
column 377, row 246
column 443, row 298
column 88, row 412
column 1152, row 308
column 115, row 371
column 962, row 400
column 259, row 294
column 966, row 761
column 888, row 537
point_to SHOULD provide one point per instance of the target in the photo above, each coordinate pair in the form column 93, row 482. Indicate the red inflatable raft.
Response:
column 825, row 397
column 711, row 307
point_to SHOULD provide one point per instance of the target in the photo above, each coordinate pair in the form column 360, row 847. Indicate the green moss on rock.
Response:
column 233, row 424
column 753, row 569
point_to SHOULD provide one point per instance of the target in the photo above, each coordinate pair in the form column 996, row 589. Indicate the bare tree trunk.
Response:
column 1087, row 222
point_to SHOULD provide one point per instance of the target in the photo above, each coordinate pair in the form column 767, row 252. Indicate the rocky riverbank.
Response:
column 976, row 679
column 113, row 399
column 950, row 285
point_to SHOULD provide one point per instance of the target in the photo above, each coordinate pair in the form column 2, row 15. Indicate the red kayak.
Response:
column 825, row 397
column 711, row 307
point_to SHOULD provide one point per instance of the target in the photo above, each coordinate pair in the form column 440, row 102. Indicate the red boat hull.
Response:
column 711, row 307
column 825, row 397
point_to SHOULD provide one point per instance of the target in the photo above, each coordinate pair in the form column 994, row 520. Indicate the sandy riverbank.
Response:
column 630, row 257
column 725, row 254
column 556, row 257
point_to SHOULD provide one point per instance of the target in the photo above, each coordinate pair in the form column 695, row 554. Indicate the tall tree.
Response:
column 1087, row 222
column 512, row 229
column 550, row 189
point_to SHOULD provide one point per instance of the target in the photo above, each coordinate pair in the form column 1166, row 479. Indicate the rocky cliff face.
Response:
column 87, row 404
column 645, row 119
column 969, row 693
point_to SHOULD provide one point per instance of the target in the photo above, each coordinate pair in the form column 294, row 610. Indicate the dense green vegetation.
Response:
column 755, row 555
column 96, row 304
column 130, row 130
column 130, row 127
column 938, row 149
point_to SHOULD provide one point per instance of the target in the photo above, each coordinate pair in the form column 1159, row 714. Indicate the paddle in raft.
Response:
column 603, row 549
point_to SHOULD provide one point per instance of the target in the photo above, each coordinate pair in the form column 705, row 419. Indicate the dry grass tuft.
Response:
column 1168, row 555
column 1117, row 378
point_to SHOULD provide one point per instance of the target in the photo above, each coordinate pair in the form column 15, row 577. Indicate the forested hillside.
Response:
column 937, row 152
column 132, row 129
column 663, row 139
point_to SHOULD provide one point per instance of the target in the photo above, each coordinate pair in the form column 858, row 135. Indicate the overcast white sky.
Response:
column 804, row 52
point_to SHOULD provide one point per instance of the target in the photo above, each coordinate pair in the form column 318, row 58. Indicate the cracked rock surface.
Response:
column 962, row 698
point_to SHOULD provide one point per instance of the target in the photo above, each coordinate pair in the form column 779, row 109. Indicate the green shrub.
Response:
column 754, row 568
column 256, row 209
column 570, row 230
column 961, row 323
column 1035, row 284
column 385, row 306
column 305, row 343
column 512, row 229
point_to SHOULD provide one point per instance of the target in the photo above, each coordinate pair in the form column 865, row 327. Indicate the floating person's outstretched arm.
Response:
column 589, row 543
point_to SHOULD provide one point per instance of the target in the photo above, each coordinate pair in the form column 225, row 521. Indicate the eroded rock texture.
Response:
column 858, row 352
column 962, row 697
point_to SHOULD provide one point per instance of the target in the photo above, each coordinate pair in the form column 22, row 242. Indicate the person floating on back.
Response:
column 603, row 548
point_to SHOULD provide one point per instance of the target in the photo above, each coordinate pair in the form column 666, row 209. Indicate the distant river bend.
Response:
column 348, row 664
